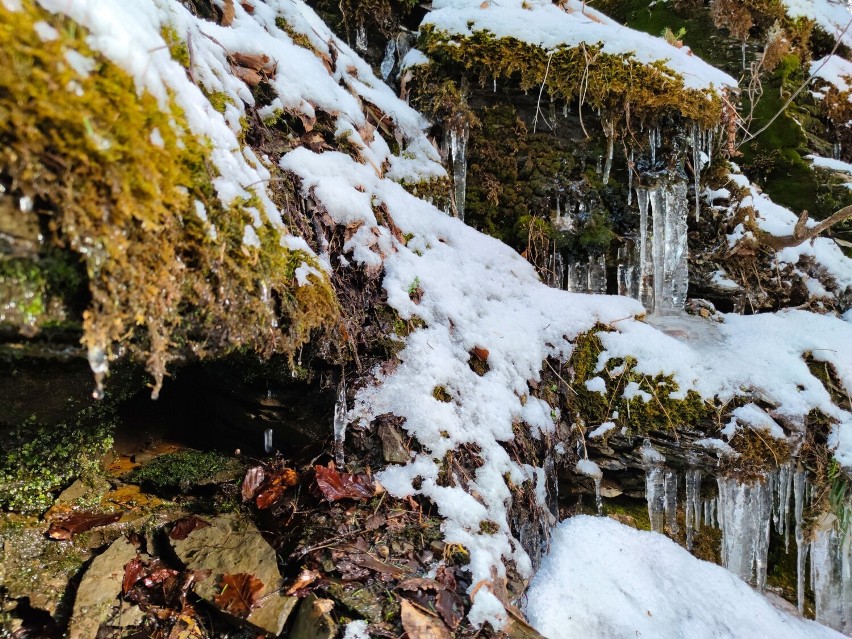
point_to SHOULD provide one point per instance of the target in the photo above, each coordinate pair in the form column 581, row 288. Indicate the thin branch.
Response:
column 752, row 136
column 541, row 91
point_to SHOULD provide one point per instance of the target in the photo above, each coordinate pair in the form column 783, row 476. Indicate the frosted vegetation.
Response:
column 469, row 291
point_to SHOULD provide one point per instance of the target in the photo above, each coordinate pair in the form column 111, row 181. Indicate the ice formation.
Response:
column 663, row 272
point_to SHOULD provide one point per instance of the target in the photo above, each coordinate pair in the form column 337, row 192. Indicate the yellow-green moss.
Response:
column 618, row 85
column 660, row 412
column 123, row 178
column 178, row 49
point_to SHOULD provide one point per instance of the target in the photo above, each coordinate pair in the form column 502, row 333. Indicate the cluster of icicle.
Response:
column 744, row 511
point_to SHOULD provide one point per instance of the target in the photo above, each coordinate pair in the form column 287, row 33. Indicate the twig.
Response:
column 541, row 91
column 751, row 137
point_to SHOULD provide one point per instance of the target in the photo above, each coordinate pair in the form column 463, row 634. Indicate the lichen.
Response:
column 123, row 179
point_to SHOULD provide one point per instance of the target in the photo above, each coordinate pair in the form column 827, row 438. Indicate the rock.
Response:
column 314, row 619
column 231, row 545
column 364, row 600
column 99, row 589
column 126, row 615
column 393, row 447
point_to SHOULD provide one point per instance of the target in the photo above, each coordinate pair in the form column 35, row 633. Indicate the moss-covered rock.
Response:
column 130, row 189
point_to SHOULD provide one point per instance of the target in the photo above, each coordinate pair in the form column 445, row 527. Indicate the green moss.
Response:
column 488, row 527
column 219, row 100
column 38, row 460
column 661, row 411
column 178, row 48
column 618, row 85
column 440, row 393
column 184, row 470
column 124, row 178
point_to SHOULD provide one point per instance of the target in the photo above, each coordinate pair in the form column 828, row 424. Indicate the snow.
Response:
column 832, row 15
column 596, row 385
column 830, row 164
column 834, row 70
column 778, row 220
column 602, row 579
column 589, row 468
column 544, row 24
column 356, row 630
column 476, row 292
column 601, row 430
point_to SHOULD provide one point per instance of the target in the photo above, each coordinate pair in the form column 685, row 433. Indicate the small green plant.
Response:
column 674, row 38
column 415, row 284
column 184, row 470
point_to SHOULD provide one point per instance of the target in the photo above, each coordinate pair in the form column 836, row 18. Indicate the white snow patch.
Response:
column 601, row 430
column 596, row 385
column 603, row 579
column 589, row 468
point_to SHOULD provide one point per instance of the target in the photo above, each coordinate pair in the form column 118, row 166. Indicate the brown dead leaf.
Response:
column 252, row 482
column 480, row 353
column 183, row 527
column 240, row 593
column 278, row 483
column 249, row 76
column 421, row 625
column 229, row 12
column 253, row 61
column 303, row 580
column 335, row 485
column 249, row 8
column 133, row 572
column 65, row 528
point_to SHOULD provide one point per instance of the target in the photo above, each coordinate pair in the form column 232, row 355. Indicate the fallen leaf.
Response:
column 183, row 527
column 249, row 76
column 248, row 7
column 65, row 528
column 449, row 607
column 133, row 572
column 480, row 353
column 158, row 572
column 304, row 579
column 240, row 593
column 279, row 482
column 335, row 485
column 420, row 625
column 418, row 583
column 253, row 61
column 252, row 482
column 228, row 13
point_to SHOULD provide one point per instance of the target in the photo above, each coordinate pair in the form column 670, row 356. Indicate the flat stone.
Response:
column 99, row 589
column 232, row 545
column 314, row 619
column 393, row 446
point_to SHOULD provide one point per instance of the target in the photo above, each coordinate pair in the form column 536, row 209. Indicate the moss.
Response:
column 757, row 453
column 619, row 85
column 178, row 48
column 184, row 470
column 661, row 411
column 38, row 460
column 488, row 527
column 219, row 100
column 123, row 178
column 440, row 393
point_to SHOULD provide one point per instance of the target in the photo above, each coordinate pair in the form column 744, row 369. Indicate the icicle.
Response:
column 801, row 548
column 458, row 158
column 655, row 486
column 340, row 424
column 596, row 282
column 671, row 503
column 663, row 257
column 646, row 272
column 389, row 60
column 696, row 168
column 361, row 37
column 268, row 441
column 598, row 498
column 652, row 142
column 744, row 513
column 692, row 508
column 830, row 562
column 609, row 131
column 655, row 494
column 99, row 363
column 630, row 169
